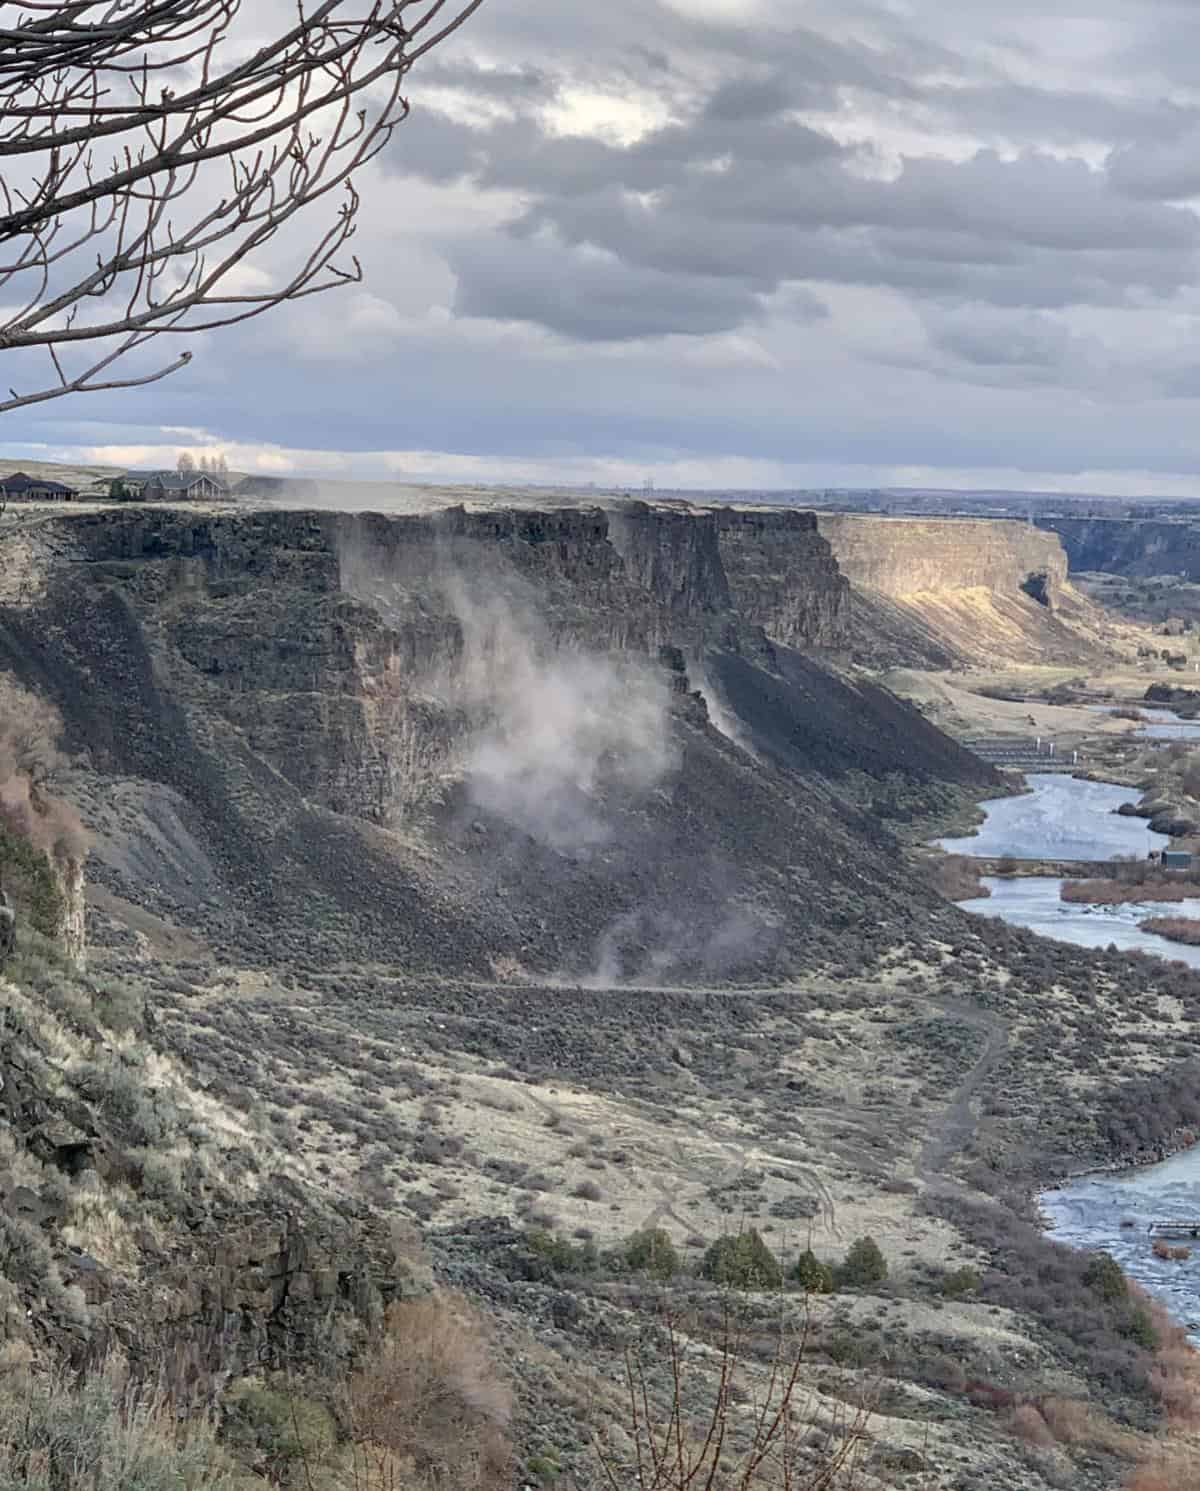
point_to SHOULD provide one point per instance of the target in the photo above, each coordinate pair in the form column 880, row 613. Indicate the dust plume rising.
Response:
column 30, row 730
column 559, row 728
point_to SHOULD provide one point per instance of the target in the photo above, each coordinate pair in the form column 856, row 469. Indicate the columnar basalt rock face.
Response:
column 783, row 576
column 946, row 592
column 1134, row 547
column 901, row 557
column 331, row 642
column 468, row 734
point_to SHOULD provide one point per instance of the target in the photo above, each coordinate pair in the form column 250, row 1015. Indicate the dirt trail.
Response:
column 956, row 1127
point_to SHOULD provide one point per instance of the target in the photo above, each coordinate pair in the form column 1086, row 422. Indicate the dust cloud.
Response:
column 561, row 727
column 29, row 758
column 547, row 733
column 644, row 948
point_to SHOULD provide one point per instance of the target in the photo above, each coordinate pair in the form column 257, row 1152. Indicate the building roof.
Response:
column 20, row 482
column 179, row 481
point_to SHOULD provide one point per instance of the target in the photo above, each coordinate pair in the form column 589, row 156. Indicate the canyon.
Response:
column 359, row 705
column 475, row 886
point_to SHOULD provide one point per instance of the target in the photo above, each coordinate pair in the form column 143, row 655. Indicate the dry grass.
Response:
column 1174, row 928
column 1172, row 1462
column 1119, row 892
column 428, row 1408
column 103, row 1434
column 1177, row 1470
column 956, row 877
column 722, row 1418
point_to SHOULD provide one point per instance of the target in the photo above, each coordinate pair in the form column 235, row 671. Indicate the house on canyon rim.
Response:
column 178, row 486
column 21, row 488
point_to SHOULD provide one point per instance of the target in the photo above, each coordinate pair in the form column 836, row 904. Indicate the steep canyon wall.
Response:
column 1123, row 546
column 958, row 591
column 469, row 734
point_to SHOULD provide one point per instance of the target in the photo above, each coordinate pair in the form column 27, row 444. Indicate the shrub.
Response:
column 863, row 1265
column 1139, row 1328
column 281, row 1434
column 430, row 1397
column 652, row 1252
column 682, row 1439
column 742, row 1260
column 1103, row 1275
column 562, row 1256
column 29, row 878
column 811, row 1274
column 101, row 1434
column 1028, row 1424
column 960, row 1282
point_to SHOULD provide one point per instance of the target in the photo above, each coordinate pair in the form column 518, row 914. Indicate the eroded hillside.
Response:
column 529, row 877
column 953, row 592
column 473, row 739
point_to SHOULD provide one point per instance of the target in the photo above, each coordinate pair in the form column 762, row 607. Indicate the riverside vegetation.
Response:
column 437, row 1149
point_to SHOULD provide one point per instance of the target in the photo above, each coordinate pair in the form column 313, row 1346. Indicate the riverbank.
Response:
column 1174, row 928
column 1109, row 892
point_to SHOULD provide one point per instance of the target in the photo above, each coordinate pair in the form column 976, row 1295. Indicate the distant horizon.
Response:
column 10, row 464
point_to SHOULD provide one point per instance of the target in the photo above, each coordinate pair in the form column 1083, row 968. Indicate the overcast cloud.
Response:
column 743, row 242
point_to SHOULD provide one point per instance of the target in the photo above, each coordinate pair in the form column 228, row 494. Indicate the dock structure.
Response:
column 1022, row 753
column 1189, row 1230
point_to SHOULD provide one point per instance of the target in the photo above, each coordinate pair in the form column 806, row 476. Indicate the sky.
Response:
column 740, row 243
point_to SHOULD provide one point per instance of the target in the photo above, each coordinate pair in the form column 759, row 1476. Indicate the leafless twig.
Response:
column 145, row 157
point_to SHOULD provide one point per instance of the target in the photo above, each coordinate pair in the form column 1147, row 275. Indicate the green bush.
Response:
column 960, row 1282
column 742, row 1260
column 863, row 1265
column 1139, row 1328
column 811, row 1274
column 123, row 1096
column 282, row 1433
column 652, row 1252
column 30, row 880
column 1103, row 1275
column 562, row 1256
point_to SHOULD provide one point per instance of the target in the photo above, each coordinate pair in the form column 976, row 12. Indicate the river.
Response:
column 1036, row 903
column 1063, row 818
column 1158, row 724
column 1089, row 1213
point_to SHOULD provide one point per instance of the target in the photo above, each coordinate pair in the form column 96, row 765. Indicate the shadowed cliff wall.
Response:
column 1134, row 547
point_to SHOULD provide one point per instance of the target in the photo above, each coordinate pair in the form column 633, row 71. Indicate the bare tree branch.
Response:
column 144, row 162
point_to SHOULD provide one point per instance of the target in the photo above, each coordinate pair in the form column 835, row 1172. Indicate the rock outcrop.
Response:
column 1125, row 546
column 8, row 928
column 903, row 557
column 941, row 592
column 466, row 735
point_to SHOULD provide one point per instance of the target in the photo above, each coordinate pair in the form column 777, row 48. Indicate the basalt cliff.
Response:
column 548, row 739
column 945, row 592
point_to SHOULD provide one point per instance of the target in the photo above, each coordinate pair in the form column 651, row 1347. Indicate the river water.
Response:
column 1088, row 1214
column 1036, row 903
column 1159, row 724
column 1063, row 818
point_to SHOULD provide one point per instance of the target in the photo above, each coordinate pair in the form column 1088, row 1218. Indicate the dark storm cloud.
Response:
column 805, row 230
column 741, row 189
column 593, row 296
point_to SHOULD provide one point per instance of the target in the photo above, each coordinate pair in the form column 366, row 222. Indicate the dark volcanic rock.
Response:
column 294, row 705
